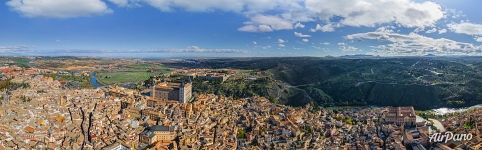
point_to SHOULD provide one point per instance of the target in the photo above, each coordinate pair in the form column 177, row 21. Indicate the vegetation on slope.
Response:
column 72, row 81
column 422, row 82
column 9, row 85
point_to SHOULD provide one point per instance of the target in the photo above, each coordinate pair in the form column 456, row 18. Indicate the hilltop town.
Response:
column 40, row 112
column 240, row 75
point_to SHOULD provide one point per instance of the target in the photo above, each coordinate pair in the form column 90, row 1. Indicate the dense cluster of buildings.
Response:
column 219, row 75
column 469, row 122
column 402, row 122
column 46, row 115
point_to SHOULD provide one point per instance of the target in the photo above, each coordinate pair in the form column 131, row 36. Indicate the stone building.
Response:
column 171, row 91
column 157, row 137
column 401, row 116
column 62, row 100
column 417, row 136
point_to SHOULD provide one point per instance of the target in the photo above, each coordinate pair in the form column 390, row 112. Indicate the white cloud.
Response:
column 330, row 27
column 266, row 47
column 442, row 31
column 415, row 44
column 305, row 40
column 317, row 28
column 255, row 28
column 263, row 15
column 407, row 13
column 479, row 39
column 247, row 7
column 59, row 8
column 163, row 5
column 121, row 3
column 433, row 30
column 346, row 48
column 467, row 28
column 192, row 49
column 281, row 41
column 472, row 29
column 263, row 23
column 14, row 49
column 325, row 43
column 282, row 14
column 301, row 35
column 299, row 25
column 198, row 5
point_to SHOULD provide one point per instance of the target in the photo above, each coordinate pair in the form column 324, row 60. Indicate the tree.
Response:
column 241, row 134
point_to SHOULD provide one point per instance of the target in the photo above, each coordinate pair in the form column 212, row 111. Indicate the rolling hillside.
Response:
column 424, row 82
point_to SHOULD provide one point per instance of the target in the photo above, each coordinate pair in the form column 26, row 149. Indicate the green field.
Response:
column 131, row 74
column 22, row 62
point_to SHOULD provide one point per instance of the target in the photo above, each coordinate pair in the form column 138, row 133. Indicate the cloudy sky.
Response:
column 223, row 28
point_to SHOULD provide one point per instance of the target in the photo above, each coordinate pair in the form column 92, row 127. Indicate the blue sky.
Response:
column 240, row 28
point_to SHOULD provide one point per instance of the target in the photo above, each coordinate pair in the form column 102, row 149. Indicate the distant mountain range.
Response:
column 424, row 82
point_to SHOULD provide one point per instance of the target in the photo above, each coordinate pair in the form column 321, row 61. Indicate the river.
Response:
column 443, row 111
column 93, row 80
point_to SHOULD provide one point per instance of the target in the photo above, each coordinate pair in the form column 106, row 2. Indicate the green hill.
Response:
column 423, row 82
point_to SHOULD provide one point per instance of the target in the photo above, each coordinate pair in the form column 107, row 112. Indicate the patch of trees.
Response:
column 9, row 85
column 237, row 88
